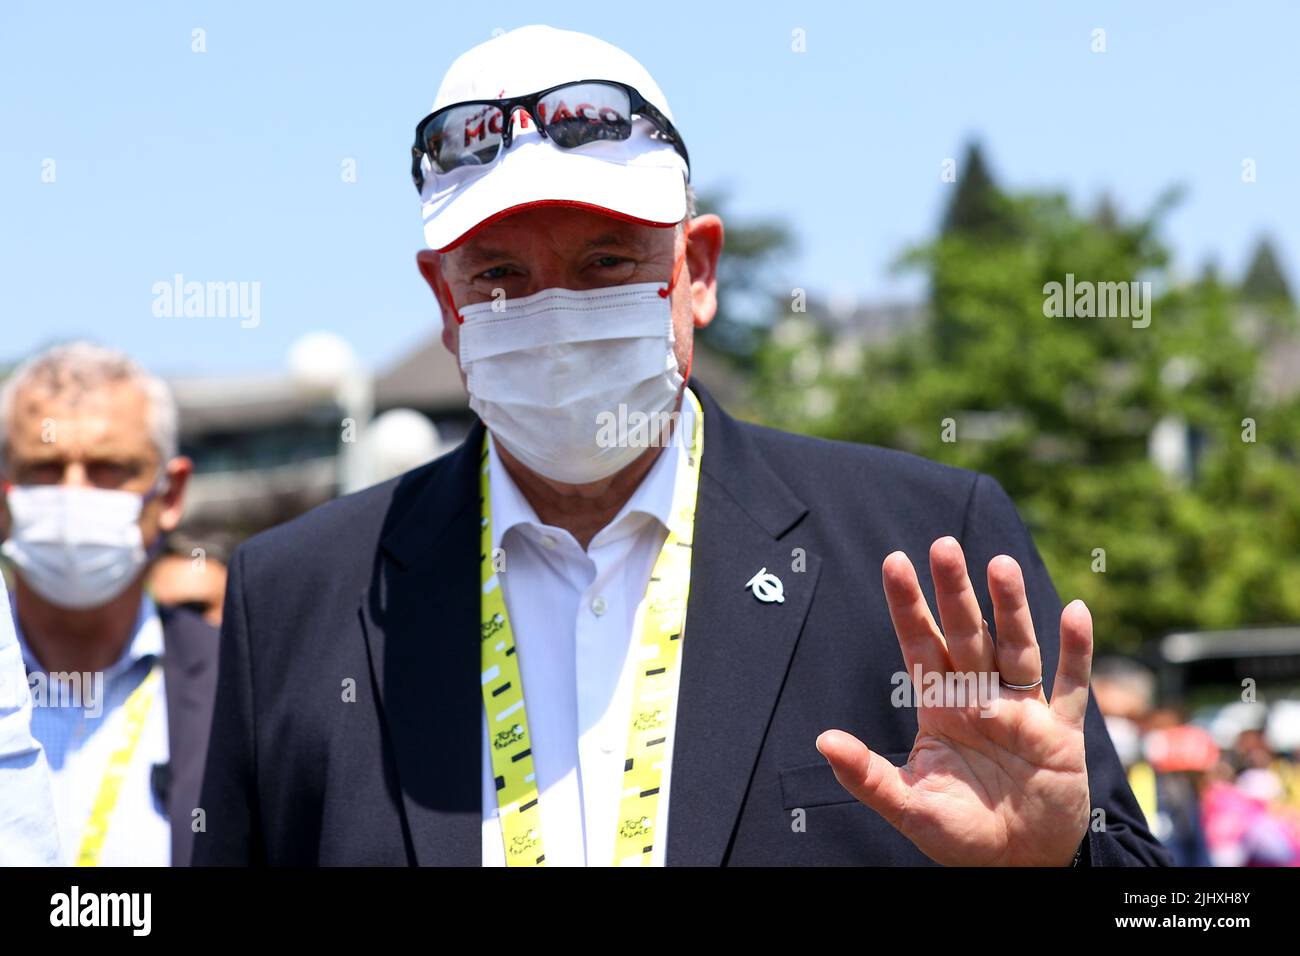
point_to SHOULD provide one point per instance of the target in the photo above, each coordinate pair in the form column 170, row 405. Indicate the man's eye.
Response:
column 45, row 473
column 110, row 474
column 496, row 272
column 608, row 262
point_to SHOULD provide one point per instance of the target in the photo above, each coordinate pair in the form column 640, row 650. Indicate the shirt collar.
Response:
column 146, row 641
column 653, row 497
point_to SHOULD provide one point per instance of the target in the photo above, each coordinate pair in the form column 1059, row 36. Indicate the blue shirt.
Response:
column 80, row 735
column 29, row 834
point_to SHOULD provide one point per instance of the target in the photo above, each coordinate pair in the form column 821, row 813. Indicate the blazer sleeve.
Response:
column 1117, row 833
column 231, row 835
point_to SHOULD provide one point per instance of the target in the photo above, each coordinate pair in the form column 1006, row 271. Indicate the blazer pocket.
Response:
column 814, row 784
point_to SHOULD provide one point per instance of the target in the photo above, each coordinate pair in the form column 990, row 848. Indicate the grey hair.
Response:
column 82, row 366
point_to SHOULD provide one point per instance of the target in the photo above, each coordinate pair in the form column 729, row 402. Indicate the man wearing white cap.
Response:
column 616, row 626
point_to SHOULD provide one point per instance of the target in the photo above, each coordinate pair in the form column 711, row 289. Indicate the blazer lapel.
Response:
column 422, row 636
column 189, row 683
column 420, row 617
column 736, row 648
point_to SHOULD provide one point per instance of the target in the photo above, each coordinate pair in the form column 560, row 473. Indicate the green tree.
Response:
column 1264, row 281
column 1063, row 410
column 978, row 207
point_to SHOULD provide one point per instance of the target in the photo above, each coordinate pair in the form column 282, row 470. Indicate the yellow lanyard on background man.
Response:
column 136, row 712
column 658, row 650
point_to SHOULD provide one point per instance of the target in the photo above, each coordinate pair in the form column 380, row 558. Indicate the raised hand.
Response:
column 999, row 782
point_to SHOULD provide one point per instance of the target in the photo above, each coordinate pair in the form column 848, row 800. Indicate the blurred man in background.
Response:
column 192, row 576
column 92, row 481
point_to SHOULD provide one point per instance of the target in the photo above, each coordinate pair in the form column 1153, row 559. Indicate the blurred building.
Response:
column 267, row 447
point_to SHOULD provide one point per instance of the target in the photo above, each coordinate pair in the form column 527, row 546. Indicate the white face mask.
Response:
column 550, row 372
column 76, row 547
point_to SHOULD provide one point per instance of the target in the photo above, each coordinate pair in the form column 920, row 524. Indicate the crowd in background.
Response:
column 1221, row 789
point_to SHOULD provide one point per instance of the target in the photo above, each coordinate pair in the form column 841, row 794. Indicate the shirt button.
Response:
column 607, row 746
column 598, row 606
column 548, row 542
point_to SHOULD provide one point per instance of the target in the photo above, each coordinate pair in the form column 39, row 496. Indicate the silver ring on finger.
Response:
column 1021, row 686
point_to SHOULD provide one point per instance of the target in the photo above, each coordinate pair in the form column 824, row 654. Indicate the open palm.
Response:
column 989, row 782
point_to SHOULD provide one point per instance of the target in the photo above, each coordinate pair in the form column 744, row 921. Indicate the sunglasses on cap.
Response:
column 475, row 132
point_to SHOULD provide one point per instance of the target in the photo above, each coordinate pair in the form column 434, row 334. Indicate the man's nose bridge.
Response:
column 75, row 474
column 550, row 274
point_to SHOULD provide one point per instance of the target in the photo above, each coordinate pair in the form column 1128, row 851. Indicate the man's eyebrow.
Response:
column 619, row 240
column 477, row 255
column 480, row 254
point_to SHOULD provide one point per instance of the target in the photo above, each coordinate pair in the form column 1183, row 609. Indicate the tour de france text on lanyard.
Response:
column 662, row 614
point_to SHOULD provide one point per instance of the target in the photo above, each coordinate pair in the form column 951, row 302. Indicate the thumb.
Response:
column 871, row 778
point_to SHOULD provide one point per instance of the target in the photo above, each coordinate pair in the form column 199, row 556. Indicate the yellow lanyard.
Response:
column 136, row 712
column 658, row 646
column 1142, row 781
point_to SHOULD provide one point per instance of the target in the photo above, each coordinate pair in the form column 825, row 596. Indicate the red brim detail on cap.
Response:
column 591, row 207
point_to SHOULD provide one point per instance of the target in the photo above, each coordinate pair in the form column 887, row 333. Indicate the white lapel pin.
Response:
column 766, row 587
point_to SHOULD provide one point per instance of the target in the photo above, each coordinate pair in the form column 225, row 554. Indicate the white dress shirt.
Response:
column 574, row 614
column 79, row 740
column 29, row 835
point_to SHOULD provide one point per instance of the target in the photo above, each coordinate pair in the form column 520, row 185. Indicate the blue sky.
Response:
column 226, row 165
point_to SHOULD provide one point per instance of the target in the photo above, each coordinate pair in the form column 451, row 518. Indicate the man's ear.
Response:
column 178, row 473
column 703, row 248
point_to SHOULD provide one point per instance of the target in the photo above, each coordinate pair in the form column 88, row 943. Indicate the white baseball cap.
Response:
column 642, row 178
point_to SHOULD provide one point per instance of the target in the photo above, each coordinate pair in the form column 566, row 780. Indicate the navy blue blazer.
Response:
column 378, row 591
column 190, row 646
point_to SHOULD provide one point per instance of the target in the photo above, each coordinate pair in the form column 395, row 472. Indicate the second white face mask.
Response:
column 76, row 547
column 547, row 373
